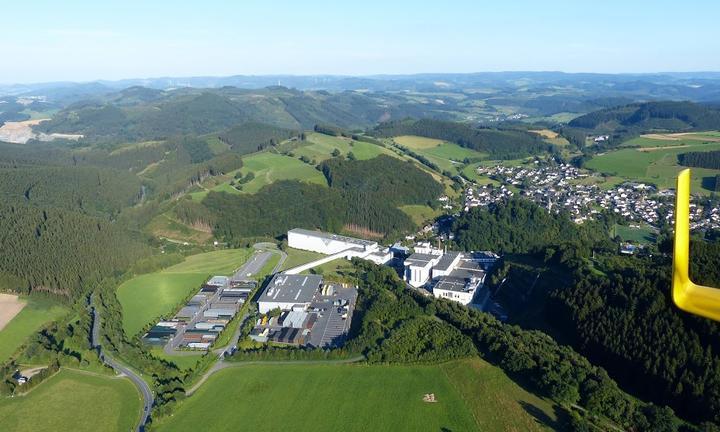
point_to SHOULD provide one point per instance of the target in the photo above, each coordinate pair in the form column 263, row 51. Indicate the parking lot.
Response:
column 334, row 316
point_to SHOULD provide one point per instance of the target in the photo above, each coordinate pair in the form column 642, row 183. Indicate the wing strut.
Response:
column 688, row 296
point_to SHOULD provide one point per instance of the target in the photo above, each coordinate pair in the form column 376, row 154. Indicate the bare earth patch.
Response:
column 21, row 132
column 678, row 136
column 10, row 305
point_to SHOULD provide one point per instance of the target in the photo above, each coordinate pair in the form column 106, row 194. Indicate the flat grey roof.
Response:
column 330, row 236
column 450, row 283
column 446, row 260
column 420, row 259
column 291, row 288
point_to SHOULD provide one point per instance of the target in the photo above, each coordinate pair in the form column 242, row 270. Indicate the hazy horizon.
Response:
column 85, row 41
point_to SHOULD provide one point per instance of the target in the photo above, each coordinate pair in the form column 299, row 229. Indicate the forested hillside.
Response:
column 520, row 226
column 364, row 194
column 628, row 120
column 497, row 143
column 709, row 159
column 60, row 252
column 85, row 189
column 251, row 137
column 616, row 310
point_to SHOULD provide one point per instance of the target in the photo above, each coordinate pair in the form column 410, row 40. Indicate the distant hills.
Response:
column 636, row 118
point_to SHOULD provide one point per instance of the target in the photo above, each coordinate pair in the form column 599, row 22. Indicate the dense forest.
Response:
column 616, row 311
column 394, row 324
column 85, row 189
column 60, row 252
column 709, row 159
column 365, row 194
column 623, row 122
column 252, row 136
column 497, row 143
column 521, row 226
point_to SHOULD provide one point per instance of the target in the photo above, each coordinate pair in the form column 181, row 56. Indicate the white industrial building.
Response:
column 327, row 243
column 289, row 292
column 335, row 247
column 452, row 275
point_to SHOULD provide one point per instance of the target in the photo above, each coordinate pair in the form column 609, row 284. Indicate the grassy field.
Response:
column 417, row 142
column 420, row 213
column 145, row 297
column 333, row 270
column 271, row 167
column 267, row 168
column 31, row 318
column 658, row 166
column 222, row 262
column 181, row 361
column 471, row 395
column 447, row 156
column 635, row 235
column 296, row 257
column 73, row 401
column 672, row 140
column 319, row 147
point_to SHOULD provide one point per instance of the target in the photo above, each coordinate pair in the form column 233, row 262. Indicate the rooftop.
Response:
column 450, row 283
column 446, row 261
column 330, row 236
column 420, row 259
column 285, row 288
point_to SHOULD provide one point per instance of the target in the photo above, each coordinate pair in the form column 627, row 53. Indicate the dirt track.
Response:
column 10, row 305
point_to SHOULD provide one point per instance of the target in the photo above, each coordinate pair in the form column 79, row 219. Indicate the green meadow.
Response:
column 31, row 318
column 320, row 147
column 73, row 401
column 420, row 213
column 296, row 257
column 658, row 166
column 470, row 395
column 146, row 297
column 447, row 156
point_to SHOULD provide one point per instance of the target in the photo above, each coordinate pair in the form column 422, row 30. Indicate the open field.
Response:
column 35, row 313
column 10, row 305
column 417, row 142
column 319, row 147
column 447, row 156
column 643, row 234
column 146, row 297
column 673, row 140
column 296, row 257
column 222, row 262
column 181, row 361
column 470, row 394
column 420, row 213
column 659, row 166
column 73, row 401
column 332, row 270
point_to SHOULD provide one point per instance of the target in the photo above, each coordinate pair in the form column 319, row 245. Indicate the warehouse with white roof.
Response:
column 288, row 292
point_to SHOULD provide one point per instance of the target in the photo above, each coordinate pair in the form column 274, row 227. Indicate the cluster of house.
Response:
column 561, row 186
column 199, row 322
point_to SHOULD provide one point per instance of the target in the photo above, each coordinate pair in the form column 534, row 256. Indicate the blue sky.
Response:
column 88, row 40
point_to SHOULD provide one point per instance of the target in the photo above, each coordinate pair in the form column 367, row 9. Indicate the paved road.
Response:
column 147, row 395
column 272, row 247
column 252, row 267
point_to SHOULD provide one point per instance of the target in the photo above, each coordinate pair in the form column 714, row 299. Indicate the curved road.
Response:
column 145, row 391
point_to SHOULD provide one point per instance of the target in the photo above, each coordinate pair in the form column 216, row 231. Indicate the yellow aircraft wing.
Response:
column 689, row 296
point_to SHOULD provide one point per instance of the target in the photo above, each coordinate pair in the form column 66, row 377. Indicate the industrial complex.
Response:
column 299, row 308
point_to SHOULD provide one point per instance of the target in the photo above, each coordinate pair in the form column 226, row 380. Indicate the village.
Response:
column 559, row 186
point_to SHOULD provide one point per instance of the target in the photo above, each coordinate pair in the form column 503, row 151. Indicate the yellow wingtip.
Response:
column 688, row 296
